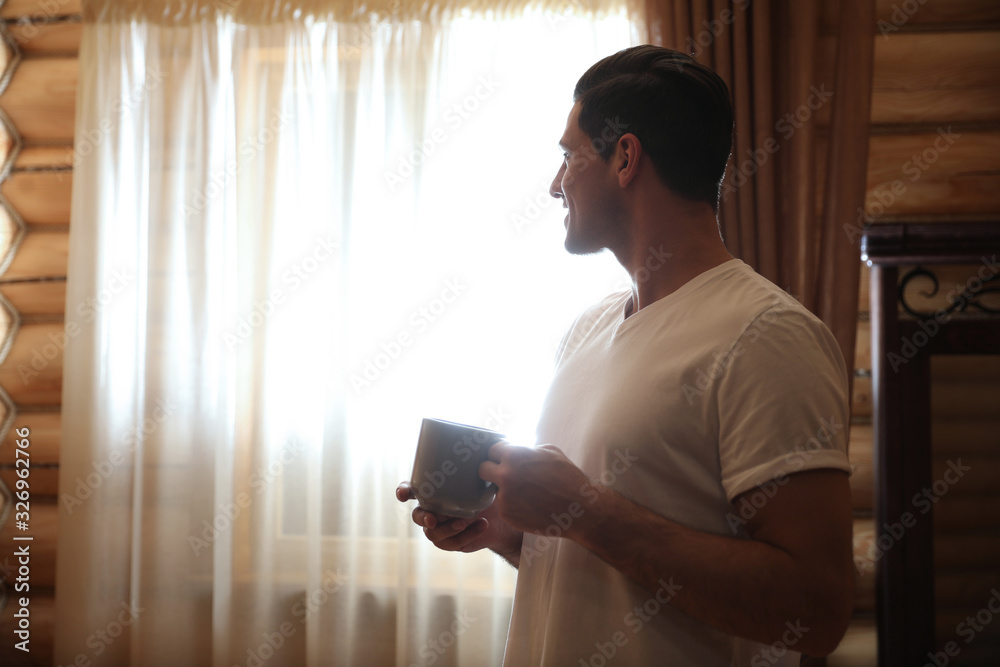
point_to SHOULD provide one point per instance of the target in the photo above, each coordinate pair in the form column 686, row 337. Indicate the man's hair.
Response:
column 679, row 110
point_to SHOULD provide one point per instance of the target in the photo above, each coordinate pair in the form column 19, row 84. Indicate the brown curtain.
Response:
column 800, row 72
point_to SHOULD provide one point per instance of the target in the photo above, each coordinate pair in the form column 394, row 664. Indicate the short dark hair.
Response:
column 679, row 109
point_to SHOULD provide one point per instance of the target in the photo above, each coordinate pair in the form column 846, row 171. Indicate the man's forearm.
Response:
column 747, row 588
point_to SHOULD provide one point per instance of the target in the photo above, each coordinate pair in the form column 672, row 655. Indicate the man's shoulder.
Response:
column 743, row 292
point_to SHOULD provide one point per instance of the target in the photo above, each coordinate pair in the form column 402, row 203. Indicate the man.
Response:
column 691, row 503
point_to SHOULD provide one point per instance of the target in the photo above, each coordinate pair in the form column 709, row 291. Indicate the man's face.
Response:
column 588, row 187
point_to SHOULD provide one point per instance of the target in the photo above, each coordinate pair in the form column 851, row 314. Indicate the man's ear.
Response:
column 628, row 152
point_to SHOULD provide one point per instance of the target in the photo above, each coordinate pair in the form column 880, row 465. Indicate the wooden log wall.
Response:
column 936, row 134
column 37, row 109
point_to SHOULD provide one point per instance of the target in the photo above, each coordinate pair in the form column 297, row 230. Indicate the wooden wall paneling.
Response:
column 949, row 61
column 933, row 173
column 6, row 141
column 955, row 589
column 961, row 368
column 970, row 400
column 40, row 157
column 42, row 254
column 39, row 104
column 929, row 12
column 863, row 346
column 40, row 38
column 896, row 106
column 963, row 551
column 864, row 285
column 895, row 17
column 11, row 232
column 964, row 513
column 861, row 397
column 44, row 433
column 936, row 78
column 36, row 300
column 46, row 9
column 948, row 621
column 979, row 481
column 41, row 100
column 965, row 435
column 40, row 197
column 862, row 473
column 31, row 374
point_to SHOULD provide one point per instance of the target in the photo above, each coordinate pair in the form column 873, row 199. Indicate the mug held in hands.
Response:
column 445, row 477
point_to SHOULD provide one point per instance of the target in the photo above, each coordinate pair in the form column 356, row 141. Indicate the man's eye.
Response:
column 565, row 157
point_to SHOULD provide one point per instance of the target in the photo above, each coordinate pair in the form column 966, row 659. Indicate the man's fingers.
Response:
column 461, row 539
column 488, row 471
column 424, row 519
column 497, row 450
column 404, row 492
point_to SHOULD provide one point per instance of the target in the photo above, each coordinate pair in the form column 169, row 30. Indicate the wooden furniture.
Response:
column 903, row 339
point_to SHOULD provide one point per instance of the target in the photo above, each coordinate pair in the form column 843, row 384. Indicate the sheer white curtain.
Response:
column 297, row 230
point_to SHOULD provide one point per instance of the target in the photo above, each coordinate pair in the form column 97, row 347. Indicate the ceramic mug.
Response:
column 445, row 477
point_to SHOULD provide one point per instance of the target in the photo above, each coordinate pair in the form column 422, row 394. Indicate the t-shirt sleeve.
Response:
column 782, row 401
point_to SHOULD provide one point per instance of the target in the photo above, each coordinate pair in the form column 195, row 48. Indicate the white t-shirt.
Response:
column 719, row 387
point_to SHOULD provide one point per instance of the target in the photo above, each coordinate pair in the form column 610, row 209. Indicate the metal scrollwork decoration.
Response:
column 960, row 299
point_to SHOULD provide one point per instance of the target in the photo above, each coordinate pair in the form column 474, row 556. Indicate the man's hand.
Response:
column 535, row 484
column 486, row 531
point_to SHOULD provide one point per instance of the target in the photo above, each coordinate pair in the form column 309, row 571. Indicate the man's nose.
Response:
column 555, row 189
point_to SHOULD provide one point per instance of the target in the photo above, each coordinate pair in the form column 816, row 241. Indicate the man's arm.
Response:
column 796, row 569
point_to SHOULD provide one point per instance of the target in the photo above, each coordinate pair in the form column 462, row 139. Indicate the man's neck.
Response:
column 661, row 258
